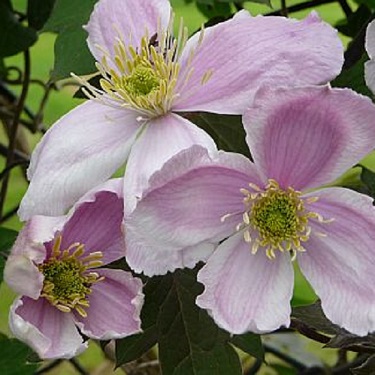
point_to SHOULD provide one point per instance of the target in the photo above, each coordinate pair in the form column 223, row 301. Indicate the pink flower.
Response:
column 370, row 48
column 149, row 76
column 54, row 267
column 267, row 213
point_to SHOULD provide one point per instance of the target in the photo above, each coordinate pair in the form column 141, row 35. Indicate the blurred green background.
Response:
column 62, row 101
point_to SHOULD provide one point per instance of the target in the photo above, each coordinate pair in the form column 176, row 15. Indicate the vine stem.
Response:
column 13, row 130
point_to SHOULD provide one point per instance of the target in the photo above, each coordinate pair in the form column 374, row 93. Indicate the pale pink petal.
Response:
column 48, row 331
column 247, row 52
column 309, row 136
column 245, row 292
column 83, row 149
column 186, row 211
column 98, row 225
column 125, row 19
column 340, row 266
column 370, row 40
column 164, row 137
column 370, row 74
column 115, row 306
column 21, row 272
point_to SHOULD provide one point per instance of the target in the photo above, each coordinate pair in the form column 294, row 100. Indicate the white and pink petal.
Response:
column 246, row 292
column 246, row 52
column 115, row 306
column 306, row 137
column 48, row 331
column 99, row 141
column 340, row 266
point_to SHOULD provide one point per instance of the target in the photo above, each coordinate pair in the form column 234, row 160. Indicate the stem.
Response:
column 308, row 332
column 16, row 163
column 302, row 6
column 254, row 368
column 17, row 153
column 49, row 367
column 13, row 130
column 9, row 214
column 284, row 8
column 346, row 8
column 78, row 366
column 286, row 358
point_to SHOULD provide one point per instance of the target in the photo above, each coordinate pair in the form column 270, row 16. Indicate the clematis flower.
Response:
column 268, row 213
column 370, row 48
column 149, row 76
column 54, row 267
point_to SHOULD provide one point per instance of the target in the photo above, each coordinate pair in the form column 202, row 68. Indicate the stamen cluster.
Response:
column 67, row 281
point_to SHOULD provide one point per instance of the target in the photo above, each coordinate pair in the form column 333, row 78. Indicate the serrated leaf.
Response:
column 13, row 356
column 250, row 343
column 14, row 37
column 189, row 341
column 38, row 12
column 366, row 368
column 226, row 130
column 354, row 78
column 71, row 51
column 7, row 238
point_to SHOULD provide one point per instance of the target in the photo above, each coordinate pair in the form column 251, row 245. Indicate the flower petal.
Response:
column 309, row 136
column 61, row 171
column 370, row 40
column 340, row 266
column 98, row 225
column 247, row 52
column 115, row 306
column 370, row 75
column 186, row 211
column 164, row 137
column 21, row 272
column 246, row 292
column 48, row 331
column 127, row 19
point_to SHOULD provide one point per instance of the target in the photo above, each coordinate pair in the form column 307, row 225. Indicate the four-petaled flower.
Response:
column 55, row 265
column 149, row 75
column 267, row 213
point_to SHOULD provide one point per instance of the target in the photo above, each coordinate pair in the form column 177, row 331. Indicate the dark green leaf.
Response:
column 38, row 12
column 71, row 51
column 368, row 178
column 354, row 23
column 354, row 78
column 369, row 3
column 250, row 343
column 226, row 130
column 14, row 37
column 189, row 341
column 313, row 316
column 345, row 339
column 213, row 8
column 13, row 355
column 366, row 368
column 284, row 370
column 7, row 238
column 3, row 69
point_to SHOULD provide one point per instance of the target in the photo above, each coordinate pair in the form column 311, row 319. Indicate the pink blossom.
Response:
column 267, row 213
column 54, row 267
column 370, row 48
column 149, row 76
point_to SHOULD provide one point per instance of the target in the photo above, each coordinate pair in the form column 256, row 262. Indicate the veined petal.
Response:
column 200, row 203
column 306, row 137
column 245, row 292
column 125, row 19
column 370, row 40
column 115, row 306
column 340, row 266
column 164, row 137
column 99, row 140
column 370, row 74
column 98, row 225
column 51, row 333
column 21, row 272
column 246, row 52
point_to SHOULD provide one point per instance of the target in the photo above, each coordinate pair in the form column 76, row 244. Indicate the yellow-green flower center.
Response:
column 142, row 81
column 277, row 219
column 67, row 280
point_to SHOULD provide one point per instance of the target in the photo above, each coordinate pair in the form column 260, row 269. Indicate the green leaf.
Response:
column 354, row 78
column 368, row 178
column 366, row 368
column 13, row 356
column 354, row 23
column 38, row 12
column 189, row 341
column 7, row 238
column 14, row 37
column 226, row 130
column 71, row 51
column 250, row 343
column 213, row 8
